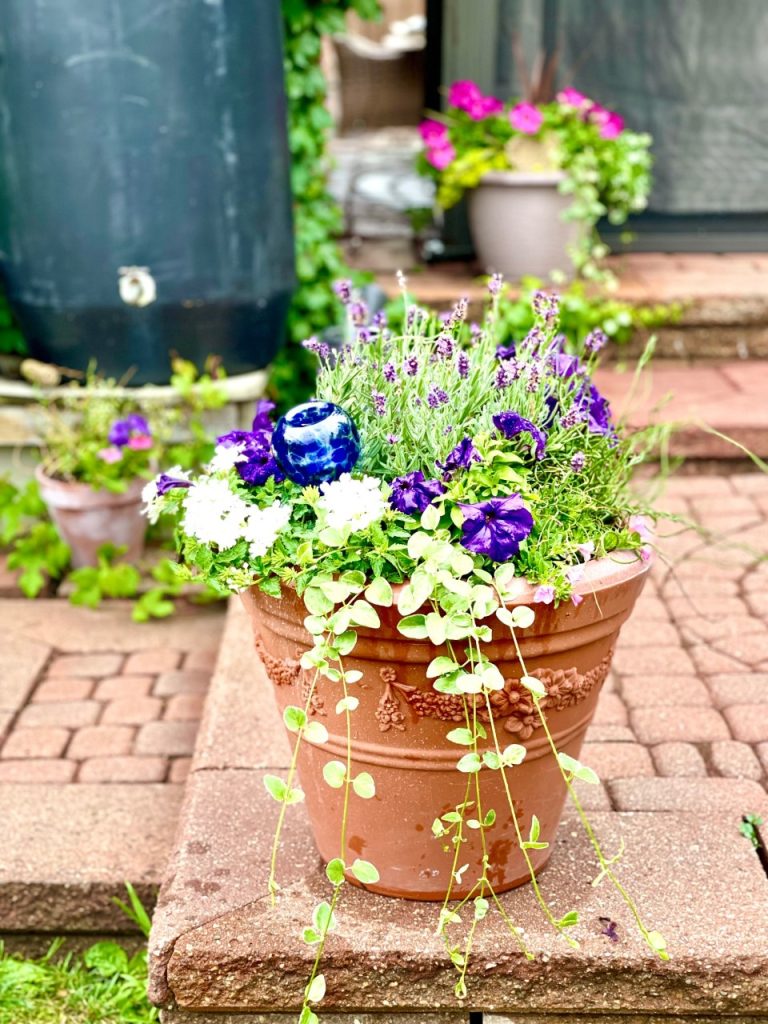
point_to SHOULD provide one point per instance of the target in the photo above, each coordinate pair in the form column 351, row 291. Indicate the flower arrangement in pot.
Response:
column 540, row 176
column 97, row 451
column 437, row 553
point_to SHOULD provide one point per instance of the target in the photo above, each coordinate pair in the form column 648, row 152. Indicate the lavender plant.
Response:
column 478, row 465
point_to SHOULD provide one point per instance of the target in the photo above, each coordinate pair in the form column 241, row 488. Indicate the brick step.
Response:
column 220, row 953
column 723, row 299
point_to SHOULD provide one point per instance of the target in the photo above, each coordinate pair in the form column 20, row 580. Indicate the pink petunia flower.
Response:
column 441, row 156
column 544, row 594
column 140, row 442
column 433, row 133
column 576, row 600
column 464, row 94
column 646, row 552
column 526, row 118
column 575, row 573
column 611, row 124
column 641, row 526
column 111, row 454
column 587, row 550
column 573, row 98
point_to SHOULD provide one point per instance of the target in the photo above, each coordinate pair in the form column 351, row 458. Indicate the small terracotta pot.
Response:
column 87, row 519
column 400, row 727
column 517, row 224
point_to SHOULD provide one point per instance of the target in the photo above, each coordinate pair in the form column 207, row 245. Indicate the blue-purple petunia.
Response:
column 121, row 431
column 412, row 493
column 496, row 527
column 510, row 424
column 259, row 463
column 460, row 457
column 165, row 483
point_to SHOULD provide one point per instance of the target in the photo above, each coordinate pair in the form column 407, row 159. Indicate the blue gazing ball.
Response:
column 316, row 442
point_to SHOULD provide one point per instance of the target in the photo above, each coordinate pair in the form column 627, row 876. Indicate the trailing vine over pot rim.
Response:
column 445, row 519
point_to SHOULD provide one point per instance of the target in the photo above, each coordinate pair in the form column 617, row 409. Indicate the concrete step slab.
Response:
column 67, row 850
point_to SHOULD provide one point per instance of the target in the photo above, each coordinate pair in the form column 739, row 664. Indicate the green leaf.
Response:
column 379, row 592
column 413, row 626
column 364, row 786
column 489, row 818
column 294, row 718
column 523, row 617
column 535, row 831
column 322, row 917
column 439, row 666
column 276, row 788
column 513, row 754
column 308, row 1016
column 316, row 989
column 470, row 763
column 482, row 906
column 537, row 688
column 658, row 944
column 315, row 624
column 415, row 594
column 316, row 602
column 577, row 769
column 334, row 871
column 569, row 920
column 310, row 936
column 315, row 732
column 106, row 959
column 364, row 872
column 347, row 704
column 364, row 614
column 462, row 736
column 430, row 517
column 345, row 642
column 491, row 760
column 334, row 773
column 436, row 628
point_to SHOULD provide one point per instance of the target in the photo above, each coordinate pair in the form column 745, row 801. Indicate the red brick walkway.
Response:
column 683, row 722
column 89, row 713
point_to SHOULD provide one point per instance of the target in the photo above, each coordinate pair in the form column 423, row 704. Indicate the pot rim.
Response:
column 75, row 487
column 600, row 574
column 510, row 179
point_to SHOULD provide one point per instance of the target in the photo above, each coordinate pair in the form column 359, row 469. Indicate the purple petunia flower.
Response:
column 121, row 431
column 545, row 594
column 510, row 424
column 460, row 457
column 412, row 493
column 165, row 483
column 263, row 418
column 259, row 463
column 506, row 351
column 565, row 365
column 496, row 527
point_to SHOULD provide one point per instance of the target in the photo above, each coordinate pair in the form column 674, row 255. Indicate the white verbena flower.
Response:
column 151, row 496
column 353, row 503
column 213, row 513
column 263, row 525
column 226, row 457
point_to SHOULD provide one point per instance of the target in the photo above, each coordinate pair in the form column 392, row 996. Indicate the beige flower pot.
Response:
column 87, row 519
column 517, row 224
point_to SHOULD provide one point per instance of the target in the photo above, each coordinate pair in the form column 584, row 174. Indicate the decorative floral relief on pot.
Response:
column 513, row 704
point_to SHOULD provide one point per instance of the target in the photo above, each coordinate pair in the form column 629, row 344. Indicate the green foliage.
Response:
column 749, row 826
column 134, row 910
column 317, row 219
column 38, row 555
column 11, row 339
column 109, row 578
column 104, row 984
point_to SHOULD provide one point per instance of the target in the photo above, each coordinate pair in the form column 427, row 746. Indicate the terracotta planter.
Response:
column 87, row 519
column 517, row 224
column 399, row 730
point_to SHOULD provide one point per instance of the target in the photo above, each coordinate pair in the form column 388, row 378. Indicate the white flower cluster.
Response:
column 226, row 457
column 353, row 503
column 213, row 514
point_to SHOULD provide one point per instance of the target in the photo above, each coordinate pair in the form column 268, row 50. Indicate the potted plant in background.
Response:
column 540, row 176
column 97, row 451
column 437, row 554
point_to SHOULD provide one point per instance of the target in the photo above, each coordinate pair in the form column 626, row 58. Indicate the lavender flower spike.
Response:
column 510, row 424
column 496, row 527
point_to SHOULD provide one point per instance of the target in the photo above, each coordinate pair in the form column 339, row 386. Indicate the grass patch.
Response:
column 103, row 985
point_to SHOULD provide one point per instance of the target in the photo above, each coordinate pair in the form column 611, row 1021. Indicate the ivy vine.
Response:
column 317, row 218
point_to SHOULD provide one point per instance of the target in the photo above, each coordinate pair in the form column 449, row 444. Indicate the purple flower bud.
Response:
column 436, row 396
column 165, row 483
column 320, row 348
column 379, row 320
column 534, row 377
column 476, row 333
column 343, row 289
column 546, row 307
column 358, row 314
column 595, row 340
column 411, row 366
column 462, row 365
column 444, row 345
column 364, row 336
column 574, row 415
column 502, row 379
column 389, row 372
column 379, row 402
column 392, row 438
column 578, row 462
column 495, row 282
